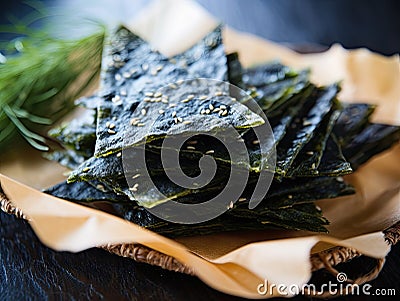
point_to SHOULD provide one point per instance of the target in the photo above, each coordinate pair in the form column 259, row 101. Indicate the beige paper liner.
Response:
column 236, row 263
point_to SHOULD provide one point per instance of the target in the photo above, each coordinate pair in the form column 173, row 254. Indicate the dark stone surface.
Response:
column 29, row 270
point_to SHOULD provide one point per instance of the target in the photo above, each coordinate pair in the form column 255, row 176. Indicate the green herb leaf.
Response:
column 40, row 81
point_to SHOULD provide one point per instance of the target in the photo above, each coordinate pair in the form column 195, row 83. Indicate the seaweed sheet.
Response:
column 266, row 216
column 209, row 48
column 309, row 159
column 304, row 127
column 78, row 135
column 66, row 157
column 85, row 192
column 128, row 79
column 373, row 139
column 353, row 119
column 307, row 217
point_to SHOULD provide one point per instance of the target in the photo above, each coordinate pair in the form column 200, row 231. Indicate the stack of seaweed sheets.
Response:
column 317, row 138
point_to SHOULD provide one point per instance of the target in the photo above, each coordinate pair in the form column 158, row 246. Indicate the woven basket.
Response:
column 327, row 259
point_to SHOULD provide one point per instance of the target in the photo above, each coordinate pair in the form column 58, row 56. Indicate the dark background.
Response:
column 374, row 24
column 28, row 270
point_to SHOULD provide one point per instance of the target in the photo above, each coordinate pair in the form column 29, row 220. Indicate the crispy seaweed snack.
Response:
column 317, row 138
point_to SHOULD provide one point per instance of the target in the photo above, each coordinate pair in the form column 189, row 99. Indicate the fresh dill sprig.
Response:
column 40, row 80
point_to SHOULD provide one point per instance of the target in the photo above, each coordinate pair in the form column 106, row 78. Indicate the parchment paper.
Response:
column 236, row 263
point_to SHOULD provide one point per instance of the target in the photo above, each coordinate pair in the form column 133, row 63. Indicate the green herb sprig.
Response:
column 40, row 81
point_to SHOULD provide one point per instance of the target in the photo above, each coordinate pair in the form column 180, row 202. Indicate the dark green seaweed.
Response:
column 373, row 139
column 353, row 119
column 315, row 111
column 85, row 192
column 124, row 96
column 309, row 159
column 299, row 217
column 78, row 135
column 66, row 157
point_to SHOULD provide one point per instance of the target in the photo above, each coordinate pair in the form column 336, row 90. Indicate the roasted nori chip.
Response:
column 333, row 163
column 85, row 192
column 140, row 78
column 299, row 217
column 235, row 70
column 262, row 75
column 309, row 159
column 305, row 126
column 78, row 135
column 373, row 139
column 66, row 157
column 353, row 119
column 301, row 190
column 207, row 58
